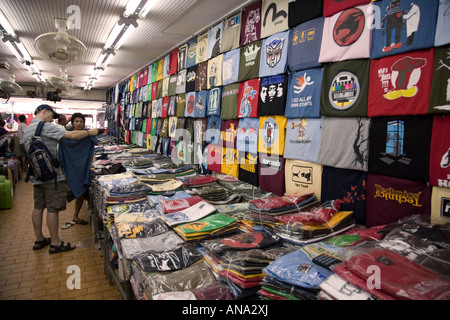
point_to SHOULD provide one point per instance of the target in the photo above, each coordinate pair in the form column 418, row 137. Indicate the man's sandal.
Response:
column 38, row 245
column 61, row 248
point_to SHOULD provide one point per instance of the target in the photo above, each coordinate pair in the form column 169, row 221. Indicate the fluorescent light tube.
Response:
column 6, row 25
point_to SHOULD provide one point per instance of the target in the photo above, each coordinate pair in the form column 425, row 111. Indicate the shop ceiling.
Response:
column 167, row 25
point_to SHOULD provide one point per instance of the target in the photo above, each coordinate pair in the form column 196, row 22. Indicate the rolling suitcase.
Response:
column 6, row 193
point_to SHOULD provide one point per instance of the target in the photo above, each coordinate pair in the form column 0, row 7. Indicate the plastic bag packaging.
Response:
column 172, row 260
column 131, row 230
column 195, row 276
column 400, row 277
column 319, row 215
column 242, row 241
column 166, row 241
column 215, row 291
column 296, row 268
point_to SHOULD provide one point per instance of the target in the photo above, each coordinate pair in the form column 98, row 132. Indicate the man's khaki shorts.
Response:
column 45, row 196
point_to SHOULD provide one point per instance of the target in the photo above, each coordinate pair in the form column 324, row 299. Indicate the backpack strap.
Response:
column 39, row 128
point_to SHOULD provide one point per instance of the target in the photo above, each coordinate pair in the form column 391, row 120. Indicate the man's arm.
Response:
column 80, row 134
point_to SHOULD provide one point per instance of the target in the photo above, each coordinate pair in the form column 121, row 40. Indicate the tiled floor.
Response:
column 26, row 274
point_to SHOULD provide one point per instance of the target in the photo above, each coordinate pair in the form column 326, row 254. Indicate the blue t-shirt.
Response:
column 305, row 42
column 213, row 127
column 214, row 101
column 303, row 139
column 230, row 66
column 404, row 26
column 303, row 98
column 247, row 135
column 274, row 54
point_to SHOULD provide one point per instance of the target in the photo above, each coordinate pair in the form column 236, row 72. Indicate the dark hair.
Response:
column 2, row 123
column 77, row 115
column 22, row 118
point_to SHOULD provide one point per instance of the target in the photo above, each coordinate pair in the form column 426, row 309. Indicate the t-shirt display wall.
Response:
column 347, row 99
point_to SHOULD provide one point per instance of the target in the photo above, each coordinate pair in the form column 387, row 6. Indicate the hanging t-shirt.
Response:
column 271, row 136
column 202, row 48
column 440, row 152
column 344, row 143
column 191, row 100
column 248, row 98
column 214, row 156
column 182, row 56
column 251, row 23
column 249, row 61
column 159, row 89
column 180, row 105
column 442, row 25
column 400, row 147
column 215, row 39
column 172, row 126
column 191, row 59
column 201, row 104
column 229, row 101
column 201, row 80
column 274, row 17
column 230, row 67
column 303, row 139
column 189, row 130
column 229, row 162
column 345, row 87
column 164, row 107
column 302, row 177
column 388, row 199
column 213, row 127
column 271, row 173
column 440, row 206
column 166, row 66
column 155, row 90
column 214, row 101
column 172, row 85
column 171, row 108
column 440, row 89
column 165, row 87
column 231, row 33
column 160, row 73
column 305, row 41
column 180, row 133
column 346, row 35
column 191, row 77
column 272, row 95
column 214, row 74
column 154, row 71
column 181, row 82
column 164, row 128
column 228, row 133
column 247, row 135
column 248, row 167
column 401, row 84
column 159, row 104
column 200, row 130
column 274, row 54
column 348, row 187
column 331, row 7
column 303, row 10
column 403, row 26
column 200, row 158
column 173, row 62
column 303, row 97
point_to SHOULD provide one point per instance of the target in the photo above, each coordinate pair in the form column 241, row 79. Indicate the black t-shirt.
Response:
column 303, row 10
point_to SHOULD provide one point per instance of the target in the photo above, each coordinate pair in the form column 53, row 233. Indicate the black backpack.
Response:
column 43, row 166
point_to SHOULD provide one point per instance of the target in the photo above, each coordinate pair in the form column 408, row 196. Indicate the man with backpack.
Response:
column 51, row 193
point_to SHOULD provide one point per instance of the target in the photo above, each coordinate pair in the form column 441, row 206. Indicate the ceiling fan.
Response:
column 10, row 87
column 62, row 81
column 60, row 47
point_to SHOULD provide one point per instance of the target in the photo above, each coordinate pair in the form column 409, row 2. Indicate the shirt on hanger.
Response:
column 231, row 33
column 248, row 98
column 230, row 67
column 274, row 54
column 274, row 17
column 251, row 23
column 303, row 139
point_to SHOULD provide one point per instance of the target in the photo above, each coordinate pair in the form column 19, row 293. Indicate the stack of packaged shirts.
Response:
column 207, row 188
column 158, row 188
column 299, row 233
column 244, row 189
column 153, row 200
column 132, row 212
column 213, row 226
column 196, row 212
column 239, row 260
column 169, row 260
column 398, row 277
column 118, row 194
column 267, row 211
column 133, row 230
column 175, row 205
column 215, row 291
column 295, row 276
